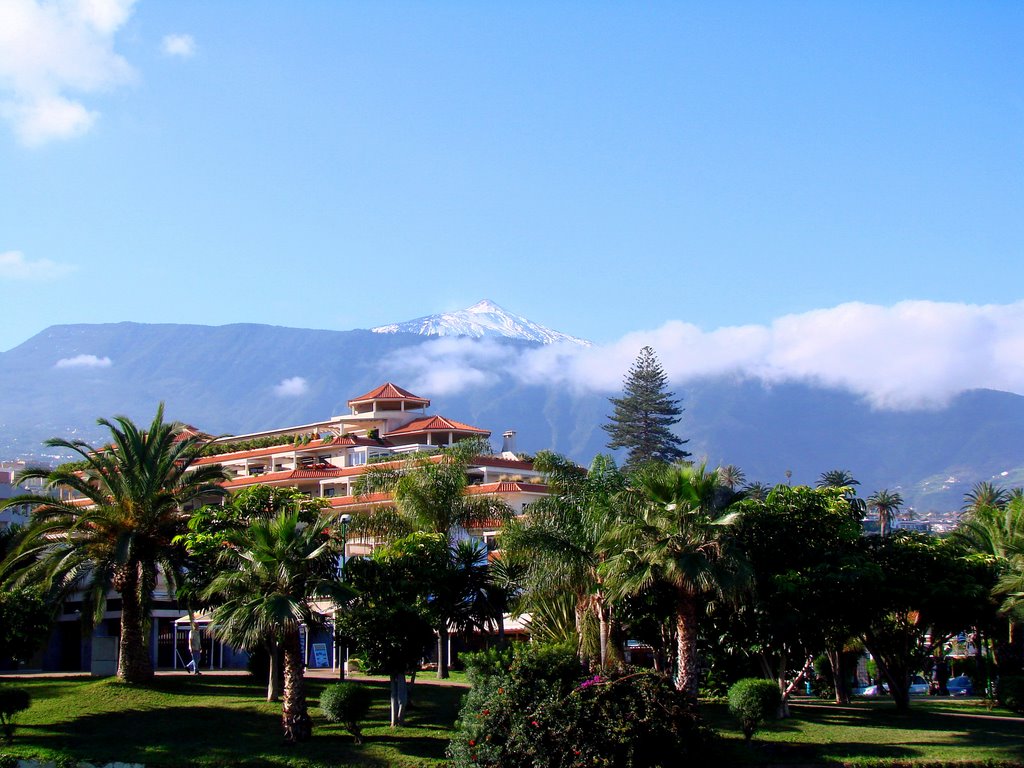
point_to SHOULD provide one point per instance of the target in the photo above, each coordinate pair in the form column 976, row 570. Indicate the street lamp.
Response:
column 344, row 520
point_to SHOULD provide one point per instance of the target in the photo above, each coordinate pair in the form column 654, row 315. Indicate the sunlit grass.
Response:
column 223, row 720
column 217, row 721
column 873, row 733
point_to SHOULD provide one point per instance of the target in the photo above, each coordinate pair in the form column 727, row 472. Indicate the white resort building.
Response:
column 323, row 460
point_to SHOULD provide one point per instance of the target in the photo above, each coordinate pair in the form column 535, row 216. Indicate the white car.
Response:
column 918, row 687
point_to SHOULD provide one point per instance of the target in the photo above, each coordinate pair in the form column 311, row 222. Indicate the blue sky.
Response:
column 601, row 168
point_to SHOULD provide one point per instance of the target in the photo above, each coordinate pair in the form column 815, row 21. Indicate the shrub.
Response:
column 752, row 701
column 482, row 665
column 545, row 711
column 347, row 703
column 12, row 701
column 1010, row 692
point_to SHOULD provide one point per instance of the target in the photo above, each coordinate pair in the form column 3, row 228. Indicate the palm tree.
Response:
column 731, row 476
column 836, row 478
column 985, row 494
column 843, row 478
column 272, row 572
column 998, row 531
column 112, row 519
column 675, row 533
column 756, row 490
column 886, row 503
column 558, row 544
column 430, row 495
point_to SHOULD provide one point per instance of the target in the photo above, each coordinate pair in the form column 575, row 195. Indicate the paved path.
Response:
column 426, row 678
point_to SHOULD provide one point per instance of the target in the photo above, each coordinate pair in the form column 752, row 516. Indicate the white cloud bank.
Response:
column 293, row 387
column 50, row 48
column 182, row 46
column 14, row 266
column 84, row 361
column 915, row 354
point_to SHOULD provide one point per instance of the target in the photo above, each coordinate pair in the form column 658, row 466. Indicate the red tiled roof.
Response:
column 388, row 391
column 507, row 486
column 188, row 431
column 304, row 473
column 436, row 424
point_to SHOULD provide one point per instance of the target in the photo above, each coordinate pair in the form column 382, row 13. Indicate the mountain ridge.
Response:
column 227, row 379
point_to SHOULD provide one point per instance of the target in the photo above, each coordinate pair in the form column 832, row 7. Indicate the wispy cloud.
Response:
column 84, row 361
column 182, row 46
column 49, row 50
column 915, row 354
column 14, row 266
column 293, row 387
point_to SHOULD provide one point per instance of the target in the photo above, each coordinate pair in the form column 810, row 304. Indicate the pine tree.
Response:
column 644, row 415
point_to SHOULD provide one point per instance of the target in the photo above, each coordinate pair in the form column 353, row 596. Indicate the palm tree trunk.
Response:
column 603, row 629
column 294, row 714
column 134, row 664
column 442, row 650
column 275, row 681
column 687, row 677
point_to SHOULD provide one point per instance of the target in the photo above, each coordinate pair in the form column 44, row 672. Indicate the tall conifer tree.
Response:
column 644, row 415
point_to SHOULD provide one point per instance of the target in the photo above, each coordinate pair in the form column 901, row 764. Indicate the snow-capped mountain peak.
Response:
column 485, row 318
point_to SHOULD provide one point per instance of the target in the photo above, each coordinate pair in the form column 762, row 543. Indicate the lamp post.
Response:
column 344, row 520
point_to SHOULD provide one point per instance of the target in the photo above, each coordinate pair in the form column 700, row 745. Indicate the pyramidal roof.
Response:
column 388, row 391
column 485, row 318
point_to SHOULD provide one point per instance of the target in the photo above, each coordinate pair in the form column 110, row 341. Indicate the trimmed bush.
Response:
column 753, row 701
column 482, row 665
column 347, row 703
column 546, row 712
column 12, row 701
column 1010, row 692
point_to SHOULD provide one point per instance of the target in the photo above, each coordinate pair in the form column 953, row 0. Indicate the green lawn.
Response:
column 873, row 733
column 219, row 720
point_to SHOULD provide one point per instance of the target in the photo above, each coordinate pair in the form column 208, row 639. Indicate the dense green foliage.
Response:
column 12, row 701
column 1010, row 692
column 347, row 703
column 753, row 701
column 546, row 711
column 642, row 418
column 676, row 534
column 26, row 617
column 558, row 546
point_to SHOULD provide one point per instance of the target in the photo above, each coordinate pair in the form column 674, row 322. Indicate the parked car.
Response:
column 960, row 686
column 918, row 686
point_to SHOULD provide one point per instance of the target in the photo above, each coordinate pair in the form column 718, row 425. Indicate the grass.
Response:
column 223, row 720
column 217, row 721
column 873, row 733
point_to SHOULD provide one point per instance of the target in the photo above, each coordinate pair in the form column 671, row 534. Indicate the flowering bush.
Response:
column 545, row 711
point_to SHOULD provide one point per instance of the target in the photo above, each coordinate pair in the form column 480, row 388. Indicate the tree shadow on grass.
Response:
column 177, row 736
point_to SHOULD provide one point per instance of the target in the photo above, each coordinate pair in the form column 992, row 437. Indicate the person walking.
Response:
column 195, row 646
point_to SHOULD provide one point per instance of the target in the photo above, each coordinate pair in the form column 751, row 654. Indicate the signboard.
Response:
column 320, row 655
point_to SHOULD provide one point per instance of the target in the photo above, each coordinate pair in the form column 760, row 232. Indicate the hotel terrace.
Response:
column 387, row 424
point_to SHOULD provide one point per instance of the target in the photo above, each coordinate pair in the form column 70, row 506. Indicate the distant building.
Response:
column 10, row 487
